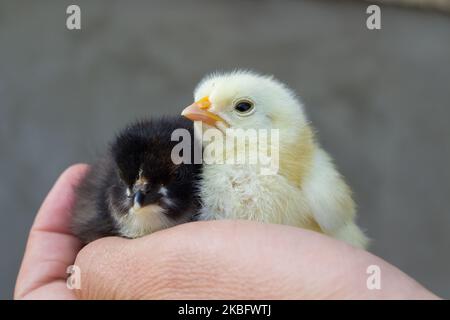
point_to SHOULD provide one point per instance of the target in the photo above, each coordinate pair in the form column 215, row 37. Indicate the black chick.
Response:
column 136, row 188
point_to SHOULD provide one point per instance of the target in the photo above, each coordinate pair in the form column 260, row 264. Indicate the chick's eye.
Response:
column 179, row 174
column 243, row 107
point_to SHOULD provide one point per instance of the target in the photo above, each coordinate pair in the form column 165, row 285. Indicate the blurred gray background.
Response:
column 379, row 100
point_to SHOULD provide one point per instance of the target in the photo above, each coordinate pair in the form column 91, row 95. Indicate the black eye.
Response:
column 180, row 174
column 243, row 107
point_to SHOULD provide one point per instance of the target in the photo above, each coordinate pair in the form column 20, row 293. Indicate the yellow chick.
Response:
column 303, row 190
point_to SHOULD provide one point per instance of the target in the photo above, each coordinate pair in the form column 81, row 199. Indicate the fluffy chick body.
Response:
column 307, row 191
column 135, row 188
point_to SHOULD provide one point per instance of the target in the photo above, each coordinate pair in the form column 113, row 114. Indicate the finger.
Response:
column 232, row 260
column 205, row 260
column 51, row 247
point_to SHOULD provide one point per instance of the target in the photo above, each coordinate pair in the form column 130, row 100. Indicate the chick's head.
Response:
column 150, row 192
column 245, row 100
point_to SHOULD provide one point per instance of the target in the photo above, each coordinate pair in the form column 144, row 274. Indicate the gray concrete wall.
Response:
column 379, row 100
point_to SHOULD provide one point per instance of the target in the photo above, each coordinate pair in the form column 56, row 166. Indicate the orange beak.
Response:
column 198, row 111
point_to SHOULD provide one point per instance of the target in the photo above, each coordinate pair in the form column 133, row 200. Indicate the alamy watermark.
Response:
column 373, row 21
column 257, row 147
column 73, row 21
column 74, row 280
column 373, row 281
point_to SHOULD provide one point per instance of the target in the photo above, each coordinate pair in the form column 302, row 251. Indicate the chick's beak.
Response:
column 198, row 111
column 138, row 199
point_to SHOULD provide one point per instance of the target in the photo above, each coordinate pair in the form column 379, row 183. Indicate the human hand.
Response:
column 51, row 247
